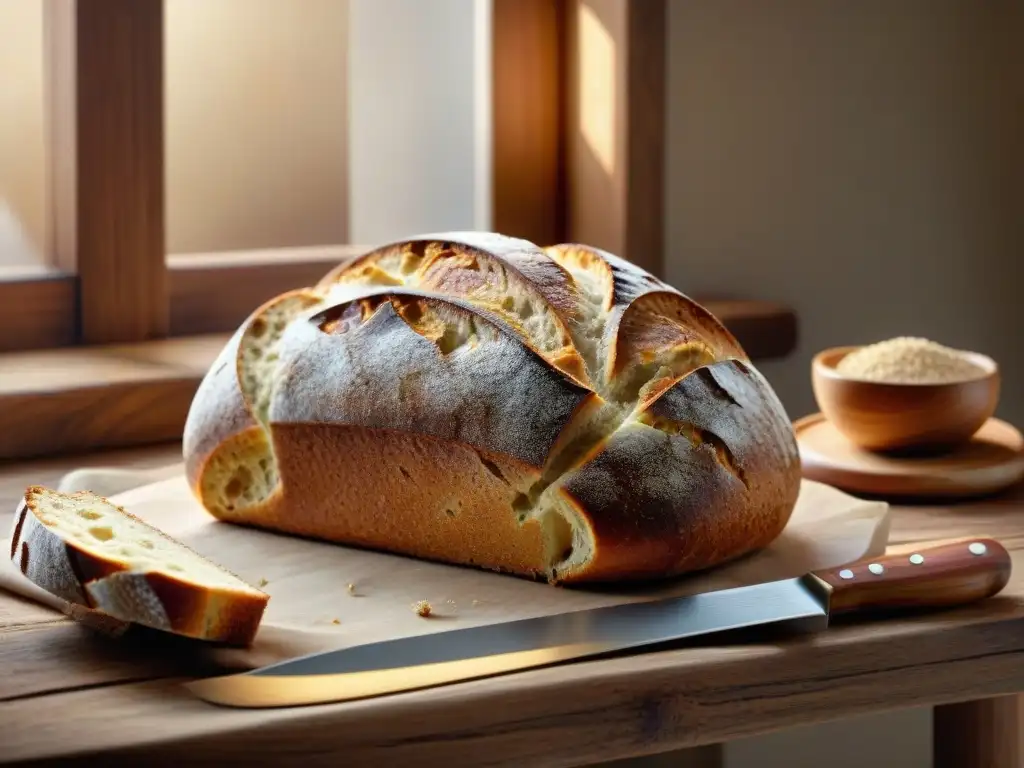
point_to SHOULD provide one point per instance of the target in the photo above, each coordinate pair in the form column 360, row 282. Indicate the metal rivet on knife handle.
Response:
column 846, row 573
column 931, row 575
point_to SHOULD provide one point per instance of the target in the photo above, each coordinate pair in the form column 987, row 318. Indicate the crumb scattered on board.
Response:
column 335, row 621
column 263, row 582
column 351, row 588
column 423, row 608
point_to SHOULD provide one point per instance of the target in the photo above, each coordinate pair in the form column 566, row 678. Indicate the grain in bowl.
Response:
column 905, row 393
column 909, row 360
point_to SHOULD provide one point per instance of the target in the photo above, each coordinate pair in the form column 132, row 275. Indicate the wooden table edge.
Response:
column 646, row 703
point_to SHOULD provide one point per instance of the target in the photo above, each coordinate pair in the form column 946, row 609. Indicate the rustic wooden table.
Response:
column 67, row 692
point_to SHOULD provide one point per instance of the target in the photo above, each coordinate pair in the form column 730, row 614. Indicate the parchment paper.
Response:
column 312, row 606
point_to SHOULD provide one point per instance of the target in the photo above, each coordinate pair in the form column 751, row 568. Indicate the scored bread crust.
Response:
column 474, row 399
column 709, row 489
column 109, row 585
column 500, row 275
column 220, row 415
column 357, row 377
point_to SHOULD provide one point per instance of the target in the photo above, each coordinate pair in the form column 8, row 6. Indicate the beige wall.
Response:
column 419, row 134
column 255, row 119
column 256, row 126
column 863, row 162
column 22, row 207
column 860, row 161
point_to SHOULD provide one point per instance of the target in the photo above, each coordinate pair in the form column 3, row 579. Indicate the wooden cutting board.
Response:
column 990, row 462
column 325, row 595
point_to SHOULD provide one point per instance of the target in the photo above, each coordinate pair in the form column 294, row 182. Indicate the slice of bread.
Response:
column 90, row 552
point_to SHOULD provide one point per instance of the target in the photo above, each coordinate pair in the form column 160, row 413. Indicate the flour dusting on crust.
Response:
column 600, row 385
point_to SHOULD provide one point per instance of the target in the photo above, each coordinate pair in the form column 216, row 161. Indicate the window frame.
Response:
column 115, row 284
column 125, row 332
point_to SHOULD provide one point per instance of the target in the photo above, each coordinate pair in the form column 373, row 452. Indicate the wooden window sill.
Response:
column 89, row 398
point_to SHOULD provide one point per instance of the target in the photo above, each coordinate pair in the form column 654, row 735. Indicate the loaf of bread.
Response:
column 472, row 398
column 93, row 554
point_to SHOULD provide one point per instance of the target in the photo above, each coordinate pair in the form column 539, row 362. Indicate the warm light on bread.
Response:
column 85, row 550
column 472, row 398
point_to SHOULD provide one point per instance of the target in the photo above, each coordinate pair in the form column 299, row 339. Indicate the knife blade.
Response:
column 933, row 576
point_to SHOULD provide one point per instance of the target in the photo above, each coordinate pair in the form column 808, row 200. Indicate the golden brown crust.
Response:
column 568, row 368
column 719, row 478
column 402, row 492
column 447, row 260
column 661, row 321
column 203, row 614
column 624, row 282
column 492, row 272
column 647, row 323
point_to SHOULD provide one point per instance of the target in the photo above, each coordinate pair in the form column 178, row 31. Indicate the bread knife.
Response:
column 934, row 576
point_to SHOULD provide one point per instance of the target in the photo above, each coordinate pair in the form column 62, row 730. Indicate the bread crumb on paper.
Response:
column 335, row 621
column 423, row 608
column 263, row 582
column 351, row 588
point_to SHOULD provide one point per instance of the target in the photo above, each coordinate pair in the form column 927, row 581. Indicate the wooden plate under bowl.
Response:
column 992, row 460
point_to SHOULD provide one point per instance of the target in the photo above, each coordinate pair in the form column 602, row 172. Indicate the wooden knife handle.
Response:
column 931, row 576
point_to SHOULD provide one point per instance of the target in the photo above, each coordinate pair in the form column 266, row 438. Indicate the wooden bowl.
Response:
column 904, row 417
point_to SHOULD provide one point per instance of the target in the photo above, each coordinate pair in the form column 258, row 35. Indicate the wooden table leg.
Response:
column 978, row 734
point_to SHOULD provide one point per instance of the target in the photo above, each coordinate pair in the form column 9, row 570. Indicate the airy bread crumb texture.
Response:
column 89, row 551
column 257, row 350
column 909, row 360
column 241, row 474
column 107, row 531
column 471, row 274
column 593, row 288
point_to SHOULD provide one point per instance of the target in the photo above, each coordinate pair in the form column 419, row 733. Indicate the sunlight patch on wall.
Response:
column 597, row 87
column 22, row 131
